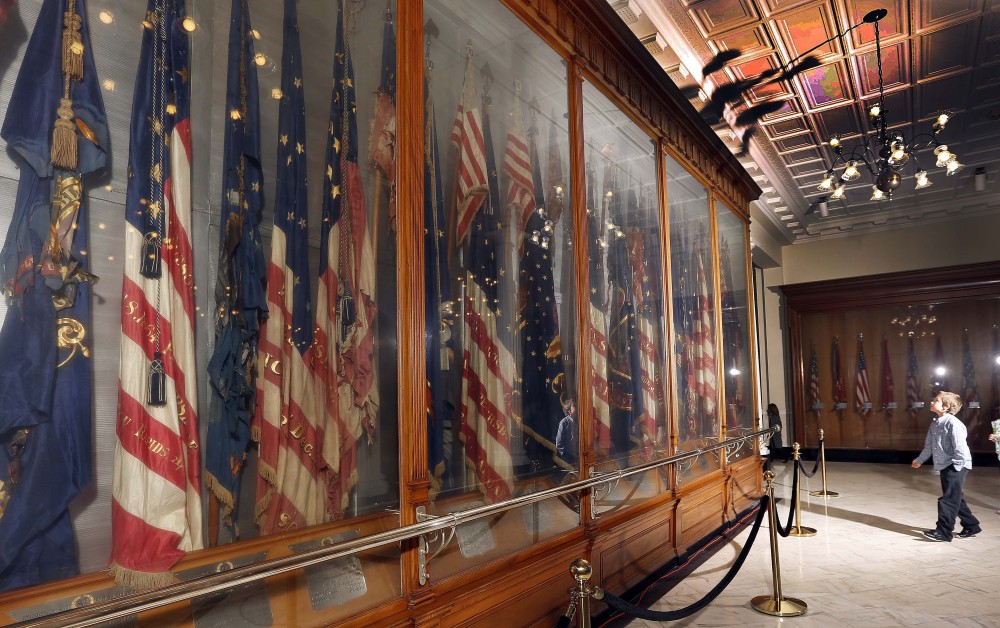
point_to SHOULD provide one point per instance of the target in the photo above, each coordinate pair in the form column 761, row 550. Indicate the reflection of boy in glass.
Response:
column 566, row 434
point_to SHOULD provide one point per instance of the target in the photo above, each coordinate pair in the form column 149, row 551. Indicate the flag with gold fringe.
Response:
column 156, row 510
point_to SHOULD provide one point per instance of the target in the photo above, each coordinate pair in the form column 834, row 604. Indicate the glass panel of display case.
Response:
column 261, row 148
column 871, row 374
column 733, row 299
column 692, row 267
column 626, row 299
column 499, row 269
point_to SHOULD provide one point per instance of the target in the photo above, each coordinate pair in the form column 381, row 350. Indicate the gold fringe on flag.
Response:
column 139, row 580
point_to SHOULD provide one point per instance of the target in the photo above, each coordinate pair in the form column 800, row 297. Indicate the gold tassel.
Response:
column 72, row 45
column 64, row 149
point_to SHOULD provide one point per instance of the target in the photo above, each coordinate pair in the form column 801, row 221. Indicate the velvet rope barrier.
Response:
column 810, row 474
column 628, row 608
column 785, row 530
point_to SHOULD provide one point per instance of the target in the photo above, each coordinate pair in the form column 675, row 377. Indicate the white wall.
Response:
column 936, row 245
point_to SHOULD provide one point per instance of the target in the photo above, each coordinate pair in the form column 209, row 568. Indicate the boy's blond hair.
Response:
column 950, row 401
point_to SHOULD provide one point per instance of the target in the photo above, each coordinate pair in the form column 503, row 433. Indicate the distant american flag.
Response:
column 912, row 378
column 888, row 387
column 814, row 399
column 862, row 396
column 467, row 136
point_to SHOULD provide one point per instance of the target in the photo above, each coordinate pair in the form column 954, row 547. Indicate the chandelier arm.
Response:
column 915, row 145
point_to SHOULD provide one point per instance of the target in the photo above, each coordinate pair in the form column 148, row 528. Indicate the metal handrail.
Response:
column 123, row 607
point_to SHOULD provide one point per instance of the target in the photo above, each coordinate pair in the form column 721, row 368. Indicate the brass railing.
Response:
column 123, row 607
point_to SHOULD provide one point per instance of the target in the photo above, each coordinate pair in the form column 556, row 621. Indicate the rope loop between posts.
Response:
column 810, row 474
column 785, row 530
column 628, row 608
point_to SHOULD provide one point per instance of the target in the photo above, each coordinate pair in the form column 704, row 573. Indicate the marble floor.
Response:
column 868, row 566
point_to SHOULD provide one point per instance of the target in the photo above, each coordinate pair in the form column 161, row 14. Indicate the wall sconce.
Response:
column 980, row 179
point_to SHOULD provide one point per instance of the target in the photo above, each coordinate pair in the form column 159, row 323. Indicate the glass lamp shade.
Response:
column 877, row 194
column 827, row 183
column 953, row 166
column 851, row 172
column 922, row 180
column 838, row 192
column 942, row 155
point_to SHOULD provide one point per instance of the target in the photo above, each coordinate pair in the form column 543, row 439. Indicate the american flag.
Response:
column 346, row 318
column 467, row 136
column 703, row 338
column 862, row 396
column 647, row 340
column 912, row 378
column 517, row 166
column 382, row 141
column 598, row 339
column 970, row 415
column 488, row 364
column 289, row 423
column 888, row 389
column 839, row 390
column 814, row 396
column 685, row 303
column 157, row 447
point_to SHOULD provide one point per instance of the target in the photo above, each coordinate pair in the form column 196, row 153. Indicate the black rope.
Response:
column 809, row 474
column 785, row 531
column 628, row 608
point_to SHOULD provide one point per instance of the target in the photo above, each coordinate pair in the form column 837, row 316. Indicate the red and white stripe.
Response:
column 156, row 489
column 862, row 394
column 467, row 136
column 352, row 374
column 704, row 344
column 647, row 348
column 517, row 167
column 813, row 381
column 486, row 397
column 599, row 377
column 289, row 423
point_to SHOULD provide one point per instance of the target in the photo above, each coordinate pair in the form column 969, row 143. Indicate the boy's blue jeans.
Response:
column 952, row 504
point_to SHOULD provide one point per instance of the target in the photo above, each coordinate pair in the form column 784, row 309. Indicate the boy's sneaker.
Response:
column 967, row 534
column 934, row 535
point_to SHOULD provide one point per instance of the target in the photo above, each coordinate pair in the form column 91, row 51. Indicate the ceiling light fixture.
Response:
column 884, row 153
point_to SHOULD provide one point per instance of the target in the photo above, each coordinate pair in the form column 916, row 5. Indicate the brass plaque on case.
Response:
column 77, row 601
column 334, row 582
column 475, row 537
column 245, row 605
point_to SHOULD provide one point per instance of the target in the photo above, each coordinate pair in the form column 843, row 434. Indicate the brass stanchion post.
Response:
column 799, row 529
column 776, row 604
column 822, row 462
column 581, row 572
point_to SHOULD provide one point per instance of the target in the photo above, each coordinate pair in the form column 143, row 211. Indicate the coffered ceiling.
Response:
column 937, row 56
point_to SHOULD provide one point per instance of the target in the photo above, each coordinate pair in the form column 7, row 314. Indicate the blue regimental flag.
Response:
column 240, row 302
column 542, row 380
column 624, row 372
column 46, row 340
column 438, row 307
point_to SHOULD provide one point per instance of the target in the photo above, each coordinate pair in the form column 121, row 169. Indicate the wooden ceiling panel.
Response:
column 947, row 50
column 893, row 25
column 717, row 16
column 751, row 42
column 938, row 13
column 755, row 67
column 802, row 156
column 841, row 121
column 789, row 109
column 801, row 31
column 895, row 68
column 795, row 142
column 825, row 86
column 933, row 97
column 803, row 170
column 786, row 127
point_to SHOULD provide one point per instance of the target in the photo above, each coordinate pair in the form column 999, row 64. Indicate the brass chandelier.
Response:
column 883, row 153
